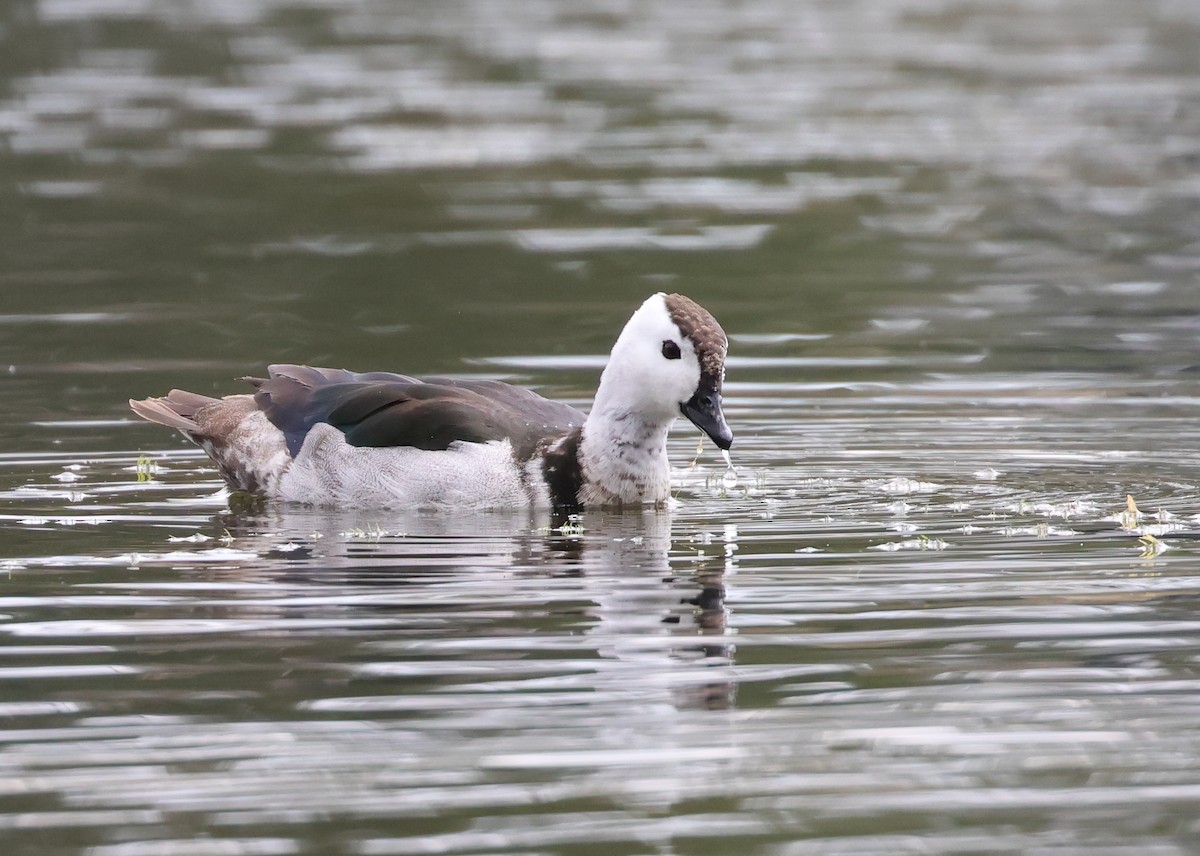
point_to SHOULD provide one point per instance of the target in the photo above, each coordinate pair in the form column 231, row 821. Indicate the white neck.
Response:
column 623, row 452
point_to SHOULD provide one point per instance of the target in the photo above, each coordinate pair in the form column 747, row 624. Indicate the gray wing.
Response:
column 381, row 409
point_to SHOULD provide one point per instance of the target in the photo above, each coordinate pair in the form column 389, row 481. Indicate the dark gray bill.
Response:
column 704, row 410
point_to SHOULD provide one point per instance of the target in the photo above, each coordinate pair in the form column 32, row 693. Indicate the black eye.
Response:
column 670, row 350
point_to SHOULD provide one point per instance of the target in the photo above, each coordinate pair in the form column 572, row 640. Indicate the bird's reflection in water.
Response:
column 652, row 600
column 654, row 608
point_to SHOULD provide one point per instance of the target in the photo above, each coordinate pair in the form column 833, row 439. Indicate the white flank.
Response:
column 329, row 471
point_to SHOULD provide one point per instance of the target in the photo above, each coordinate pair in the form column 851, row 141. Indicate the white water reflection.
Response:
column 687, row 664
column 769, row 83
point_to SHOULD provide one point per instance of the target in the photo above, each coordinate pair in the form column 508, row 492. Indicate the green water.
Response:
column 955, row 247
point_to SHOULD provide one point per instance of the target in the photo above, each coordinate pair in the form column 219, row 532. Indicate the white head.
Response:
column 669, row 359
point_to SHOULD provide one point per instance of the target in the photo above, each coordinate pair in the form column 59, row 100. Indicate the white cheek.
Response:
column 685, row 378
column 667, row 383
column 691, row 382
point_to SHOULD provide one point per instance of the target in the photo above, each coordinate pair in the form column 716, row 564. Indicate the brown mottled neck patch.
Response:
column 709, row 340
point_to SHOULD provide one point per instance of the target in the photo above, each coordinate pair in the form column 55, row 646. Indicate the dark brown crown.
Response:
column 706, row 335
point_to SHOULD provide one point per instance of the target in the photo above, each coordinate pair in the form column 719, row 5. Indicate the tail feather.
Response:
column 249, row 452
column 177, row 409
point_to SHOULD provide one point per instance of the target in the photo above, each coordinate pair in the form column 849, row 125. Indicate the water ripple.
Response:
column 954, row 246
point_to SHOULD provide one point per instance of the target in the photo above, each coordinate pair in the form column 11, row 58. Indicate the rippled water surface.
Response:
column 956, row 246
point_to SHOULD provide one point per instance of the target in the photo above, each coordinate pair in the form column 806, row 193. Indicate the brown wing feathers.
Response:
column 380, row 409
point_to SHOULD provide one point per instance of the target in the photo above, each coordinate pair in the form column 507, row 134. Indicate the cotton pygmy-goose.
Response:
column 333, row 437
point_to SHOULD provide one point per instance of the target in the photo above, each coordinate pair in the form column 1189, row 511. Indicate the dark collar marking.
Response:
column 562, row 470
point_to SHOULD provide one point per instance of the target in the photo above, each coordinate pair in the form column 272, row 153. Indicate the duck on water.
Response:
column 382, row 440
